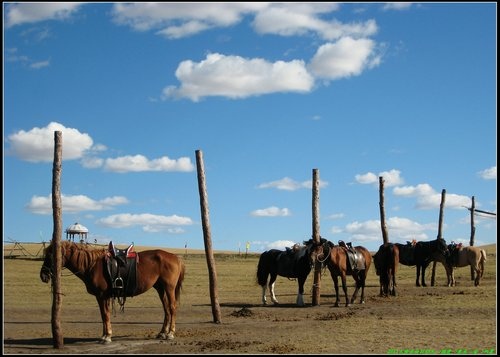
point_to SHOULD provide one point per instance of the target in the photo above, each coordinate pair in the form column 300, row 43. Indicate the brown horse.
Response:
column 338, row 263
column 465, row 256
column 386, row 265
column 155, row 268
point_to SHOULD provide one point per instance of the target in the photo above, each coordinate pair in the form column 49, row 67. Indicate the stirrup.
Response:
column 118, row 283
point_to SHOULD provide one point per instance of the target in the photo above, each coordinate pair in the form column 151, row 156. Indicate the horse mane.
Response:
column 81, row 256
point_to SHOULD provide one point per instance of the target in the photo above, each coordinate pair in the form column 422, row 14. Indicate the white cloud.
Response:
column 41, row 64
column 303, row 18
column 139, row 163
column 73, row 204
column 31, row 12
column 391, row 178
column 149, row 222
column 271, row 212
column 400, row 230
column 37, row 145
column 345, row 58
column 397, row 6
column 428, row 198
column 238, row 77
column 488, row 174
column 280, row 244
column 289, row 184
column 177, row 20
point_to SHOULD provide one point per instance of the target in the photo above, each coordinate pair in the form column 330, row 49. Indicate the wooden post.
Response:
column 57, row 336
column 472, row 232
column 440, row 232
column 385, row 235
column 212, row 273
column 316, row 236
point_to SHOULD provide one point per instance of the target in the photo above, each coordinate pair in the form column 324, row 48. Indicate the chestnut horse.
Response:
column 465, row 256
column 386, row 265
column 155, row 268
column 338, row 263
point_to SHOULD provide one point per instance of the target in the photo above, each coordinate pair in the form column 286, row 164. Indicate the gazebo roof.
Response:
column 77, row 228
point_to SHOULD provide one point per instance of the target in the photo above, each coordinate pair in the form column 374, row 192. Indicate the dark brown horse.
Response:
column 386, row 262
column 155, row 268
column 339, row 264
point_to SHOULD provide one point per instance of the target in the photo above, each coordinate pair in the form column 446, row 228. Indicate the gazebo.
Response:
column 77, row 230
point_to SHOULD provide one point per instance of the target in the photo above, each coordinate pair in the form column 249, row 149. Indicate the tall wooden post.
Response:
column 316, row 236
column 472, row 232
column 385, row 235
column 212, row 273
column 440, row 232
column 57, row 336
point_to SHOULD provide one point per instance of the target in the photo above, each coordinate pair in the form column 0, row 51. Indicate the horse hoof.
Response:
column 170, row 336
column 161, row 336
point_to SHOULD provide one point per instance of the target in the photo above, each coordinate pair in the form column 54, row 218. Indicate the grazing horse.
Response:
column 338, row 261
column 422, row 254
column 293, row 263
column 386, row 265
column 465, row 256
column 154, row 268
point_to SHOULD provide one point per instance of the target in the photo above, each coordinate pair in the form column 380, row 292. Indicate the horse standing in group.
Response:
column 293, row 263
column 465, row 256
column 342, row 261
column 422, row 254
column 386, row 262
column 153, row 268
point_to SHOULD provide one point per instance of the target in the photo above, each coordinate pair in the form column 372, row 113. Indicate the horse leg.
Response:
column 104, row 305
column 358, row 285
column 169, row 306
column 300, row 294
column 417, row 283
column 393, row 290
column 344, row 287
column 335, row 279
column 271, row 288
column 423, row 275
column 264, row 290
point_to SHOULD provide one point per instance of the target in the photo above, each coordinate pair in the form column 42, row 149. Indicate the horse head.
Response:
column 442, row 247
column 318, row 252
column 47, row 270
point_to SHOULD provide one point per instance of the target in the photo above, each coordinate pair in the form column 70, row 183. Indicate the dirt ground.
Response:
column 429, row 319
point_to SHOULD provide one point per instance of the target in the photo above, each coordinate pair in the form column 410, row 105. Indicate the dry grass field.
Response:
column 433, row 320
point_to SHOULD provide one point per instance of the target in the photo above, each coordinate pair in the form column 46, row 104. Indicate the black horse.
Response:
column 293, row 263
column 422, row 254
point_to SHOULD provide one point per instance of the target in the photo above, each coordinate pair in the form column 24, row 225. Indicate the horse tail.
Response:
column 481, row 261
column 262, row 272
column 180, row 280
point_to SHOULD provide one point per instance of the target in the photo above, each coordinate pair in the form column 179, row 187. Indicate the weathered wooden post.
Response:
column 316, row 236
column 57, row 336
column 212, row 273
column 440, row 232
column 472, row 233
column 385, row 235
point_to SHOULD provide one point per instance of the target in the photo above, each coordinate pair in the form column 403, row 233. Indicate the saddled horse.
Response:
column 293, row 263
column 386, row 262
column 342, row 261
column 465, row 256
column 422, row 254
column 154, row 268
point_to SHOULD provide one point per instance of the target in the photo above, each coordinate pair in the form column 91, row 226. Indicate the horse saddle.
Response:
column 122, row 270
column 356, row 260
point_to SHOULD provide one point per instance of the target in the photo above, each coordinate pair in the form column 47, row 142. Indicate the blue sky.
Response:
column 268, row 92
